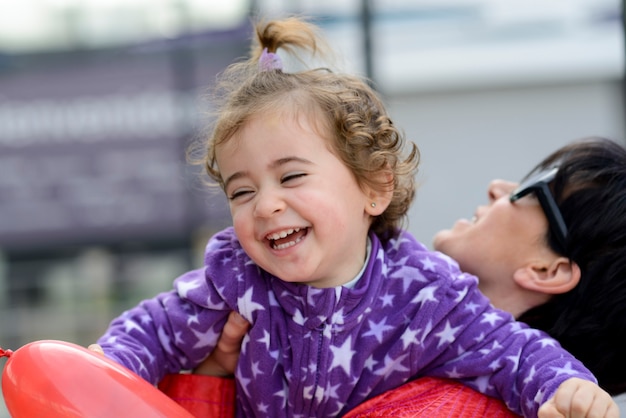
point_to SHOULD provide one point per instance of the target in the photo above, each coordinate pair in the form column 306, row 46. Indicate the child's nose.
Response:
column 268, row 203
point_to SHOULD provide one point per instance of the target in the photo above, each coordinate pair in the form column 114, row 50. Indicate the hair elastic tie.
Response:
column 270, row 61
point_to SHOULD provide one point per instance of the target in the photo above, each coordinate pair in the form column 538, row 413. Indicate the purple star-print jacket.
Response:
column 320, row 352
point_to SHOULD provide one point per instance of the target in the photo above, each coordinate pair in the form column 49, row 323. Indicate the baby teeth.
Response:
column 287, row 244
column 282, row 234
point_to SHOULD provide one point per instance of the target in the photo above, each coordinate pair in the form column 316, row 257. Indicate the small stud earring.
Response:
column 373, row 204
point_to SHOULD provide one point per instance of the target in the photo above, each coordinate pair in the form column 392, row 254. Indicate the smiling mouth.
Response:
column 287, row 238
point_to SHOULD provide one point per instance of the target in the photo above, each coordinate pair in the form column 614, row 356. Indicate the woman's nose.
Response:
column 498, row 188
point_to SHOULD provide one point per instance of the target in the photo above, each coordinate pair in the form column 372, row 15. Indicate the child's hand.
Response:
column 223, row 359
column 578, row 398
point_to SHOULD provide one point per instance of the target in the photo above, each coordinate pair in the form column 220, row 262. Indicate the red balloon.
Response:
column 60, row 379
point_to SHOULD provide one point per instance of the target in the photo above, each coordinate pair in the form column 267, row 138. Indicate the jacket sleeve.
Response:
column 176, row 330
column 491, row 352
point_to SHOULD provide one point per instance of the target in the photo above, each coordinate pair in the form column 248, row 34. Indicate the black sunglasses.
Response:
column 539, row 185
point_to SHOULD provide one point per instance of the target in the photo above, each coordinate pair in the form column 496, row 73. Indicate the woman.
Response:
column 552, row 251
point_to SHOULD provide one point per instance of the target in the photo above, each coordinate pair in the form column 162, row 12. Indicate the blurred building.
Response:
column 100, row 99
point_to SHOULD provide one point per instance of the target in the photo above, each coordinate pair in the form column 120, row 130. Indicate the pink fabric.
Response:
column 431, row 397
column 202, row 396
column 206, row 396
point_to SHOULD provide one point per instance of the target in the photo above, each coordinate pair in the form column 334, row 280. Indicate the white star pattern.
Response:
column 130, row 325
column 547, row 342
column 461, row 295
column 539, row 397
column 312, row 292
column 567, row 369
column 142, row 366
column 307, row 392
column 482, row 384
column 244, row 382
column 265, row 340
column 409, row 275
column 380, row 255
column 515, row 359
column 384, row 270
column 338, row 317
column 145, row 319
column 453, row 374
column 283, row 393
column 165, row 340
column 531, row 375
column 247, row 306
column 409, row 337
column 226, row 260
column 494, row 365
column 370, row 363
column 427, row 294
column 207, row 338
column 392, row 365
column 298, row 318
column 530, row 404
column 255, row 369
column 490, row 317
column 331, row 391
column 472, row 307
column 184, row 288
column 377, row 329
column 447, row 335
column 219, row 305
column 427, row 330
column 428, row 264
column 319, row 394
column 452, row 264
column 151, row 357
column 494, row 346
column 387, row 299
column 342, row 356
column 272, row 299
column 193, row 319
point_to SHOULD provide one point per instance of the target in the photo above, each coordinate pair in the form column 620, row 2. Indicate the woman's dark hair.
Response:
column 590, row 320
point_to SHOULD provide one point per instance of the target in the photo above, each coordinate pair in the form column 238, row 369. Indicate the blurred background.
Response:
column 99, row 100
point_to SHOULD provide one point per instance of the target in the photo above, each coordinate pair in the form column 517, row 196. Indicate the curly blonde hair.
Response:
column 349, row 113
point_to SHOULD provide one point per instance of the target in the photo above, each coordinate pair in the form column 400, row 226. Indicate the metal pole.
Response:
column 366, row 25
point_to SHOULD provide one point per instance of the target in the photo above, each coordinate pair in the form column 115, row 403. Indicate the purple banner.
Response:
column 92, row 147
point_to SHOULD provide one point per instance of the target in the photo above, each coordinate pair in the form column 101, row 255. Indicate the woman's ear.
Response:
column 559, row 276
column 379, row 198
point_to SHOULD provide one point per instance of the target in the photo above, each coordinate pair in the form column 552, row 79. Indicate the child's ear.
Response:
column 378, row 199
column 558, row 276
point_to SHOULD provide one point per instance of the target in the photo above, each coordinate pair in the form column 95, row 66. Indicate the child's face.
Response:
column 297, row 209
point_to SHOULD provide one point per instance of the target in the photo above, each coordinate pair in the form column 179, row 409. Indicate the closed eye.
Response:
column 239, row 193
column 292, row 176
